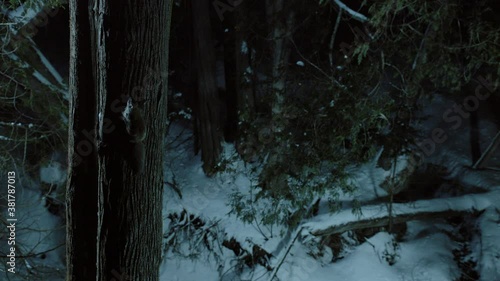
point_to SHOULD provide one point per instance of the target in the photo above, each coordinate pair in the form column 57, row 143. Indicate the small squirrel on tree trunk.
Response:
column 136, row 129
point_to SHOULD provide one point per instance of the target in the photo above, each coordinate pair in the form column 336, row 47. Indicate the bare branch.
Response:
column 488, row 153
column 277, row 267
column 317, row 67
column 334, row 34
column 355, row 15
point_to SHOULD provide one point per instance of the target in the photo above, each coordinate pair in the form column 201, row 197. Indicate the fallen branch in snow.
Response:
column 377, row 215
column 251, row 257
column 488, row 153
column 277, row 267
column 489, row 267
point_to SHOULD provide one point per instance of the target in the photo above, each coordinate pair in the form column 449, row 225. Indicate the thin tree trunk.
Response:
column 209, row 120
column 231, row 75
column 245, row 77
column 81, row 196
column 280, row 22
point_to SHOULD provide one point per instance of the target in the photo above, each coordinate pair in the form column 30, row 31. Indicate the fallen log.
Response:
column 489, row 258
column 378, row 215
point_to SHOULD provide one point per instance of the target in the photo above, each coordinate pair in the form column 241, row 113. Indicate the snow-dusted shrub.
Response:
column 189, row 236
column 391, row 253
column 34, row 103
column 333, row 116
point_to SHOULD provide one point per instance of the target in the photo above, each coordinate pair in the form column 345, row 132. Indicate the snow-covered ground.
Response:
column 194, row 240
column 426, row 251
column 40, row 235
column 426, row 255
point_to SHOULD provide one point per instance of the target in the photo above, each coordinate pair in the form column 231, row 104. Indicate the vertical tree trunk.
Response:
column 280, row 21
column 209, row 120
column 239, row 72
column 231, row 76
column 119, row 52
column 81, row 205
column 245, row 73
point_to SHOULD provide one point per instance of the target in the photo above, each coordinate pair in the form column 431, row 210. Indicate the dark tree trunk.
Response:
column 245, row 87
column 280, row 22
column 119, row 52
column 209, row 120
column 81, row 205
column 237, row 63
column 231, row 76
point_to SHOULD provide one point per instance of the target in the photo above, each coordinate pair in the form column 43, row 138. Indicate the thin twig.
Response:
column 275, row 270
column 40, row 253
column 13, row 79
column 331, row 78
column 334, row 34
column 414, row 65
column 25, row 146
column 488, row 152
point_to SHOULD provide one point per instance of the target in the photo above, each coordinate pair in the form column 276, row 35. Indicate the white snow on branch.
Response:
column 48, row 65
column 19, row 125
column 24, row 14
column 244, row 47
column 42, row 78
column 358, row 16
column 329, row 223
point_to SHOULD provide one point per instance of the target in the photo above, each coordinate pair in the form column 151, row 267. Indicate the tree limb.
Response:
column 355, row 15
column 488, row 153
column 277, row 267
column 334, row 34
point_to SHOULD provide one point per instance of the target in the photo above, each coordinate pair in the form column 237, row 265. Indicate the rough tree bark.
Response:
column 81, row 196
column 119, row 52
column 209, row 120
column 231, row 76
